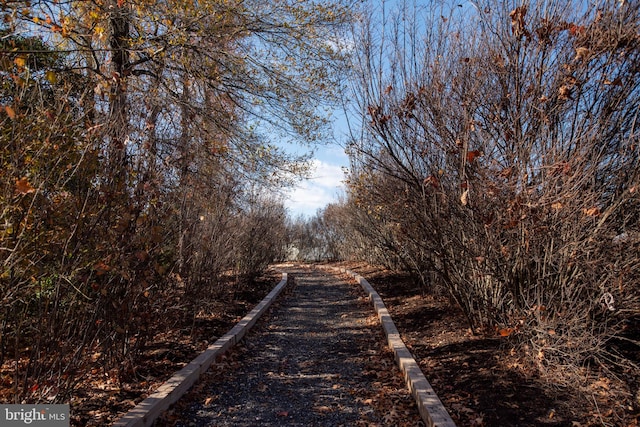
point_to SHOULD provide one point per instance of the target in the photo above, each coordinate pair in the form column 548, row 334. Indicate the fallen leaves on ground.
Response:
column 482, row 380
column 102, row 397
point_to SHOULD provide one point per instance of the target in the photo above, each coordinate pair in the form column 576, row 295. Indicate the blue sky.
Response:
column 326, row 182
column 324, row 186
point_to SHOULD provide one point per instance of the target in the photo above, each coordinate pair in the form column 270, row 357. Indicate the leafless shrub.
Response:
column 500, row 156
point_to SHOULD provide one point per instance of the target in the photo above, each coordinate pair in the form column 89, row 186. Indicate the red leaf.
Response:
column 472, row 155
column 101, row 268
column 574, row 29
column 505, row 332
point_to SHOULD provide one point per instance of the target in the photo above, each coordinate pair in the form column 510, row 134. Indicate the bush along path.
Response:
column 319, row 359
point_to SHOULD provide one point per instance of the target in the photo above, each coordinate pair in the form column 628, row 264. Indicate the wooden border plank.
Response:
column 431, row 409
column 147, row 411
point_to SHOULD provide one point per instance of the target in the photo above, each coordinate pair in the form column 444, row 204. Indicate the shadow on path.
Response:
column 306, row 367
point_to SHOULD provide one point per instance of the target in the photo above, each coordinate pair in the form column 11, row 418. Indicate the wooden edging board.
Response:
column 432, row 411
column 147, row 411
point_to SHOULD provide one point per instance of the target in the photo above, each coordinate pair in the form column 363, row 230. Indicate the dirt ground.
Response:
column 483, row 381
column 101, row 398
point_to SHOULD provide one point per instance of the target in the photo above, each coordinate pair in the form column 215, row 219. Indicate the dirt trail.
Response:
column 319, row 360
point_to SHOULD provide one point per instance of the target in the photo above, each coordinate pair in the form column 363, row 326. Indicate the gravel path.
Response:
column 309, row 365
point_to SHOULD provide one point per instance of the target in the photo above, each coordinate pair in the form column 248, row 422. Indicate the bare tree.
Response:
column 130, row 132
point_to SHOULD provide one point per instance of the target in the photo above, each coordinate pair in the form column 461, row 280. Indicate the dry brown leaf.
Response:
column 23, row 186
column 505, row 332
column 472, row 155
column 464, row 199
column 391, row 416
column 616, row 82
column 10, row 112
column 564, row 92
column 594, row 211
column 582, row 53
column 517, row 21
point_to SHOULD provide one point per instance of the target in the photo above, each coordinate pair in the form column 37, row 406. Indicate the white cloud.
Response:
column 314, row 193
column 326, row 174
column 340, row 44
